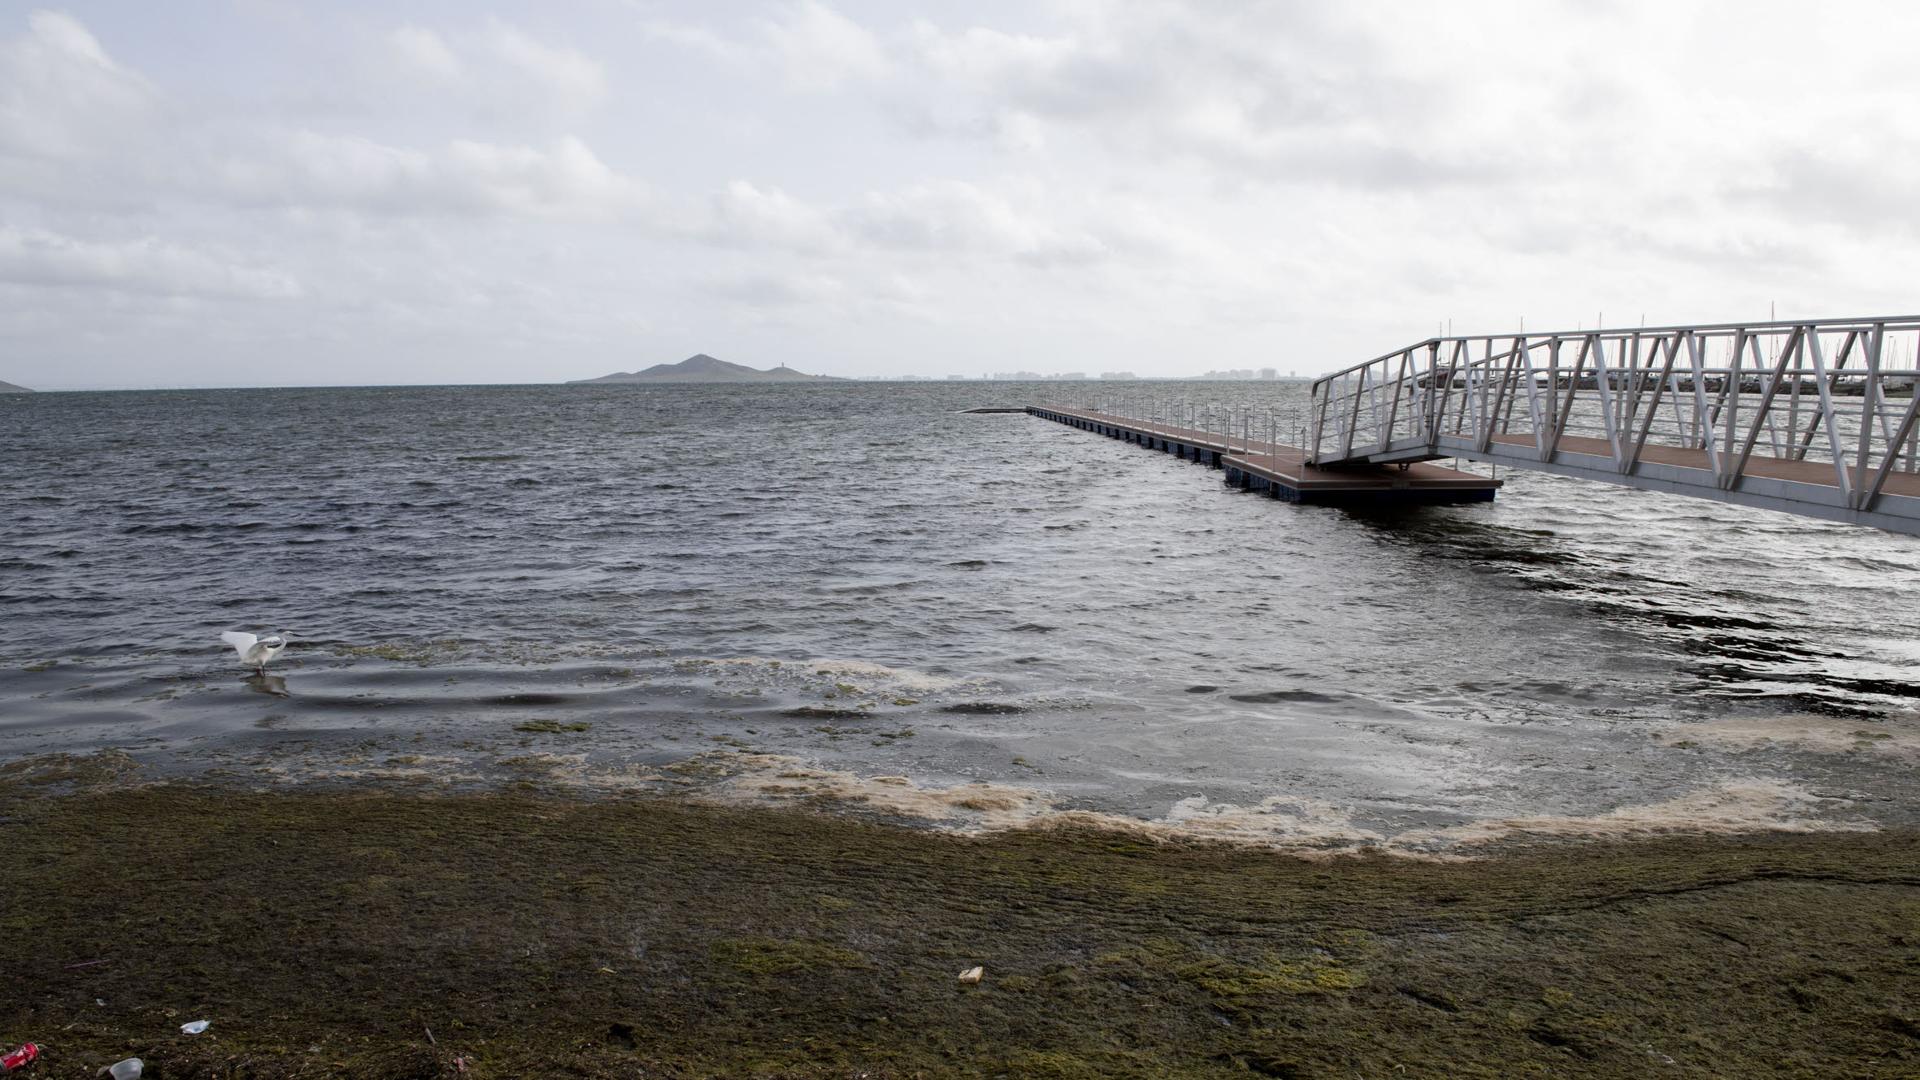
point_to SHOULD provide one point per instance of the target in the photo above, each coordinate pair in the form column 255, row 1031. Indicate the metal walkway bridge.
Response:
column 1810, row 417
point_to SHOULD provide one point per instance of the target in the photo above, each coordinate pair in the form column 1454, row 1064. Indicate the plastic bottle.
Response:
column 129, row 1069
column 194, row 1028
column 15, row 1060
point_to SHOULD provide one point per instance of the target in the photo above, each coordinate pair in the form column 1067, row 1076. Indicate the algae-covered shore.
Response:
column 379, row 932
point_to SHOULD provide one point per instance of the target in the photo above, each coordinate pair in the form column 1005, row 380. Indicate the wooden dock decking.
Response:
column 1281, row 470
column 1816, row 473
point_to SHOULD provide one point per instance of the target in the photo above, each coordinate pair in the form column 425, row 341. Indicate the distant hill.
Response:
column 9, row 388
column 701, row 368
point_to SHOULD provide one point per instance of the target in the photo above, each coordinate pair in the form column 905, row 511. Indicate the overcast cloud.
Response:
column 259, row 192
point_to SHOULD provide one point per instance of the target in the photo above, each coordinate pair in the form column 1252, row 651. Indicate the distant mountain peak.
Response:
column 699, row 364
column 703, row 368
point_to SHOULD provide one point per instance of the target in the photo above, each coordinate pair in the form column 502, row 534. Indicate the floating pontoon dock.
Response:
column 1281, row 470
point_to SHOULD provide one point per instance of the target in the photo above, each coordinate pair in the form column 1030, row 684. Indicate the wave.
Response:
column 1287, row 823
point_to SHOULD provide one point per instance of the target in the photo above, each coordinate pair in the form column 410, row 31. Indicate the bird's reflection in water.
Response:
column 268, row 684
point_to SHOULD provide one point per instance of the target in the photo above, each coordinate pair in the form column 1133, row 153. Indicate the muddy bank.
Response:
column 379, row 932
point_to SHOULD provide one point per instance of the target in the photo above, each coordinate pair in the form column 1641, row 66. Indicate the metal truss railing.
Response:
column 1237, row 426
column 1735, row 400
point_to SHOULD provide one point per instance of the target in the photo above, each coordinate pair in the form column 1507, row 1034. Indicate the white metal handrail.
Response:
column 1739, row 398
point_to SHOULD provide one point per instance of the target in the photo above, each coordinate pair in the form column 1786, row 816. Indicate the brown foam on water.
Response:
column 972, row 807
column 1896, row 736
column 575, row 770
column 1281, row 822
column 1288, row 823
column 1738, row 806
column 983, row 807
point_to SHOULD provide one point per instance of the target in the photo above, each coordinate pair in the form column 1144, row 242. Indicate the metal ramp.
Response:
column 1809, row 417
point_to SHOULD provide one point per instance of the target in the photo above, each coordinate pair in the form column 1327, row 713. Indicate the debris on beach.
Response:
column 130, row 1069
column 973, row 975
column 19, row 1057
column 195, row 1027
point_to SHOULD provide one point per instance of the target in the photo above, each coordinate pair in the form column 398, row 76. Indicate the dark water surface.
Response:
column 864, row 578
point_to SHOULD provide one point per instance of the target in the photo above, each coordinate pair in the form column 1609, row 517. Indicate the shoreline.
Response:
column 325, row 932
column 1342, row 773
column 554, row 759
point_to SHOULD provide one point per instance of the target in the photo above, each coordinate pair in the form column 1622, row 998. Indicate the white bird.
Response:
column 255, row 651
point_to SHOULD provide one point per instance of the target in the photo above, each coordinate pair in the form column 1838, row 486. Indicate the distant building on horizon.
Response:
column 1269, row 373
column 1120, row 376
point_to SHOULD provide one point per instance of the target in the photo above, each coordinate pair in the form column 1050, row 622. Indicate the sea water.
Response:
column 679, row 585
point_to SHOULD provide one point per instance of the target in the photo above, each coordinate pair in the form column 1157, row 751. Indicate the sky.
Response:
column 259, row 193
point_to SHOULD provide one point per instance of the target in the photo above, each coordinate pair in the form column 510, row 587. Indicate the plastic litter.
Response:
column 195, row 1027
column 27, row 1052
column 129, row 1069
column 973, row 975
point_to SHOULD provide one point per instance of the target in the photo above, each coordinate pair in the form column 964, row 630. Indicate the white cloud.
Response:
column 61, row 95
column 1861, row 180
column 820, row 48
column 146, row 265
column 426, row 51
column 494, row 69
column 1281, row 94
column 952, row 216
column 567, row 180
column 810, row 44
column 749, row 216
column 87, row 130
column 702, row 40
column 1017, row 65
column 574, row 79
column 767, row 290
column 1151, row 180
column 306, row 169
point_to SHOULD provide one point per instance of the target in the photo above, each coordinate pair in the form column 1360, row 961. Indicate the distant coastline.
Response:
column 10, row 388
column 701, row 368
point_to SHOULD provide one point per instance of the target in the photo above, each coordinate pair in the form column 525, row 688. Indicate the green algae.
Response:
column 767, row 956
column 1269, row 976
column 104, row 769
column 326, row 932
